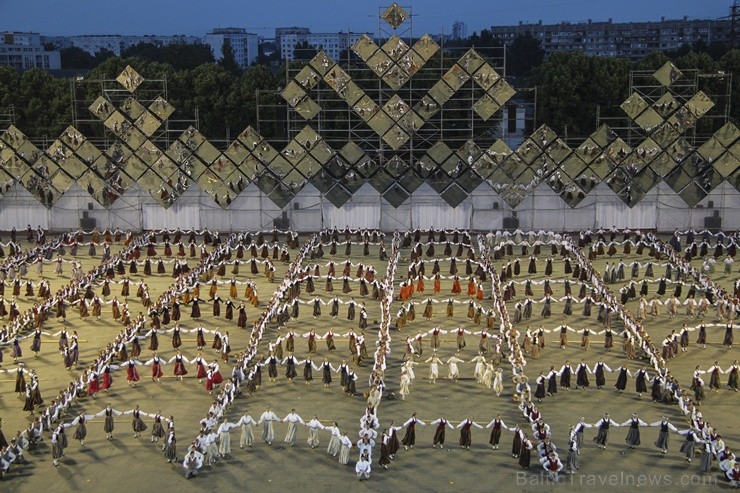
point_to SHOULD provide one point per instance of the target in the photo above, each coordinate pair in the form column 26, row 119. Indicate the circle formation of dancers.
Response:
column 499, row 341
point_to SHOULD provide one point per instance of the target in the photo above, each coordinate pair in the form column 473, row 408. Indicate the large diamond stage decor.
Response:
column 401, row 160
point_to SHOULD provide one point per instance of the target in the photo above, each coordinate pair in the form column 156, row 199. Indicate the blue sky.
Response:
column 194, row 17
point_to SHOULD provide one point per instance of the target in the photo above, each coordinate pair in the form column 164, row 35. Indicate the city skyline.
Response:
column 188, row 17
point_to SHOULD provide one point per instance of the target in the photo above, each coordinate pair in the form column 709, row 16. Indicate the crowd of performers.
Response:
column 57, row 418
column 200, row 451
column 99, row 375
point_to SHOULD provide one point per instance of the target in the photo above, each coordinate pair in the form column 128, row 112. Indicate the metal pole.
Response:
column 257, row 109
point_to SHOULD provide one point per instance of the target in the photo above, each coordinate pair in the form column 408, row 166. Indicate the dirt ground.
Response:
column 127, row 463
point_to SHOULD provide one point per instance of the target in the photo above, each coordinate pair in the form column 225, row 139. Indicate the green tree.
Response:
column 228, row 60
column 700, row 61
column 145, row 51
column 523, row 55
column 102, row 55
column 43, row 105
column 571, row 86
column 242, row 100
column 730, row 64
column 484, row 43
column 212, row 84
column 304, row 51
column 9, row 81
column 653, row 61
column 185, row 56
column 76, row 58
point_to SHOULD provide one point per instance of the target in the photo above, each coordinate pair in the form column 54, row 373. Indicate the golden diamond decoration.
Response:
column 667, row 74
column 395, row 15
column 130, row 79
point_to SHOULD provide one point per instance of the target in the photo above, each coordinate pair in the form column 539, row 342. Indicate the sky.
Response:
column 195, row 17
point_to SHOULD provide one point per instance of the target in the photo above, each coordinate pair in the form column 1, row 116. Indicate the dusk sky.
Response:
column 195, row 17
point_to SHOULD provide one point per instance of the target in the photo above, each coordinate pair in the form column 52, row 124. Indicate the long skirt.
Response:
column 385, row 457
column 109, row 424
column 516, row 444
column 705, row 464
column 56, row 451
column 247, row 436
column 290, row 435
column 439, row 435
column 495, row 436
column 334, row 445
column 138, row 425
column 465, row 437
column 409, row 439
column 687, row 447
column 662, row 441
column 268, row 431
column 28, row 405
column 524, row 457
column 313, row 437
column 170, row 451
column 571, row 461
column 343, row 454
column 621, row 381
column 224, row 443
column 80, row 432
column 633, row 437
column 602, row 436
column 158, row 430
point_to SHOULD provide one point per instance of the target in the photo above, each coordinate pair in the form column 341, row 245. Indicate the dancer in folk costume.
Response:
column 335, row 440
column 665, row 427
column 81, row 427
column 439, row 433
column 409, row 439
column 179, row 360
column 633, row 435
column 224, row 437
column 132, row 374
column 247, row 433
column 109, row 425
column 465, row 435
column 136, row 422
column 603, row 426
column 157, row 428
column 314, row 425
column 293, row 419
column 267, row 420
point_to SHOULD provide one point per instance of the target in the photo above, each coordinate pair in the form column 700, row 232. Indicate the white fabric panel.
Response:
column 662, row 209
column 488, row 219
column 244, row 209
column 395, row 218
column 305, row 220
column 184, row 216
column 216, row 218
column 612, row 213
column 354, row 215
column 441, row 215
column 20, row 216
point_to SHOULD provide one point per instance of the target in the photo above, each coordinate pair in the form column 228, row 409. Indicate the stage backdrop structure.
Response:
column 384, row 146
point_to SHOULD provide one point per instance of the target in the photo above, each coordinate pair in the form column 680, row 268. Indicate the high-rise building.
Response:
column 459, row 30
column 115, row 43
column 333, row 44
column 243, row 44
column 633, row 40
column 282, row 31
column 25, row 51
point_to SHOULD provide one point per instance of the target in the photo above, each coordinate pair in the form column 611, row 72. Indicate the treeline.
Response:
column 571, row 87
column 225, row 100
